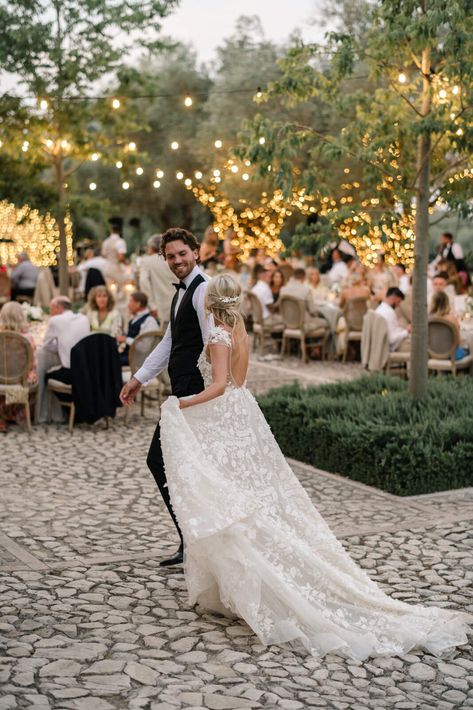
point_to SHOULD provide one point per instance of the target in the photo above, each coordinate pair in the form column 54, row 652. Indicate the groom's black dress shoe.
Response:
column 176, row 560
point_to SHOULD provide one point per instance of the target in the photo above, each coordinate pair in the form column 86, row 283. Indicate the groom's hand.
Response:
column 129, row 391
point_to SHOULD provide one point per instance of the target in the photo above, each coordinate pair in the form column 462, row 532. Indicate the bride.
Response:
column 255, row 545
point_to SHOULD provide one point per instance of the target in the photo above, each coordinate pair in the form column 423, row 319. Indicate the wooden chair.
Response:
column 443, row 340
column 375, row 353
column 58, row 387
column 16, row 360
column 294, row 315
column 5, row 287
column 262, row 332
column 141, row 347
column 354, row 311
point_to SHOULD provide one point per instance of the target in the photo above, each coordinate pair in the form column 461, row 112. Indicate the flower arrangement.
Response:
column 32, row 312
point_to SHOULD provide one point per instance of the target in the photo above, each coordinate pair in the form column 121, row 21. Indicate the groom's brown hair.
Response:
column 178, row 233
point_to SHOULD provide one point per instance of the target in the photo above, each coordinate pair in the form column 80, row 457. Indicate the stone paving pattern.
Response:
column 89, row 621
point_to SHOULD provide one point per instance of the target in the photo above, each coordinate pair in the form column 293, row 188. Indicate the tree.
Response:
column 402, row 91
column 62, row 50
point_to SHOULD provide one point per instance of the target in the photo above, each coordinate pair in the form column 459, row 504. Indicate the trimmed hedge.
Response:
column 370, row 430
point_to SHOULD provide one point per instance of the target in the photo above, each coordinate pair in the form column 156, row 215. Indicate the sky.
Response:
column 204, row 23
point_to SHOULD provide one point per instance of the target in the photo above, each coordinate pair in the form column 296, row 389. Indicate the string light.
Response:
column 216, row 173
column 234, row 168
column 188, row 101
column 245, row 177
column 174, row 145
column 95, row 156
column 159, row 174
column 442, row 94
column 402, row 78
column 139, row 171
column 25, row 146
column 92, row 186
column 43, row 104
column 116, row 103
column 119, row 164
column 262, row 140
column 218, row 143
column 456, row 90
column 25, row 229
column 125, row 185
column 179, row 175
column 132, row 146
column 156, row 184
column 187, row 182
column 198, row 175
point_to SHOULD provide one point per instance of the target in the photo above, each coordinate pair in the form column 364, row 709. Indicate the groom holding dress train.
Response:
column 179, row 349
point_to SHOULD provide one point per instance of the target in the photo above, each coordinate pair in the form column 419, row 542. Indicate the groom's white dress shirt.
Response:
column 159, row 358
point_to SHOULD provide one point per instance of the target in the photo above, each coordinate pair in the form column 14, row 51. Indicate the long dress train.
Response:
column 256, row 546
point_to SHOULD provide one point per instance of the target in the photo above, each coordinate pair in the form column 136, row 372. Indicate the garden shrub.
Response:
column 371, row 430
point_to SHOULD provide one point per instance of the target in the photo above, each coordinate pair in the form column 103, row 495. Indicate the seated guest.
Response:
column 403, row 279
column 24, row 277
column 276, row 283
column 398, row 336
column 380, row 278
column 440, row 307
column 357, row 288
column 297, row 288
column 13, row 320
column 65, row 329
column 101, row 313
column 141, row 321
column 339, row 270
column 262, row 290
column 440, row 284
column 319, row 290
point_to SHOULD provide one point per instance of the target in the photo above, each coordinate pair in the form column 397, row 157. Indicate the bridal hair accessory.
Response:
column 229, row 299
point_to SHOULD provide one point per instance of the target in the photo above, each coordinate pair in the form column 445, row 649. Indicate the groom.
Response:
column 179, row 349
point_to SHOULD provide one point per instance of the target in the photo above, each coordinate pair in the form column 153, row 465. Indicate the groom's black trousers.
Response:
column 181, row 387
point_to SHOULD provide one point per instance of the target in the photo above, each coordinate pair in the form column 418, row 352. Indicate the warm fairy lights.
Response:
column 25, row 229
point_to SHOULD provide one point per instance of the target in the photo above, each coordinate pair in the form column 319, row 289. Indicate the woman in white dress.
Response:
column 255, row 545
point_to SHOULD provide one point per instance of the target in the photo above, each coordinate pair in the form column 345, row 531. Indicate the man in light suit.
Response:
column 156, row 281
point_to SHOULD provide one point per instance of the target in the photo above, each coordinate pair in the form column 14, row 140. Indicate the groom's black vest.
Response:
column 187, row 344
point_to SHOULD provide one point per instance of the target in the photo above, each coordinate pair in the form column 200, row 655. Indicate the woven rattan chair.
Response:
column 294, row 316
column 5, row 286
column 262, row 332
column 16, row 360
column 141, row 347
column 354, row 312
column 443, row 340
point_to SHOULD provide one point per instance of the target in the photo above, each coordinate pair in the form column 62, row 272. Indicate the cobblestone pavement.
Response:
column 89, row 621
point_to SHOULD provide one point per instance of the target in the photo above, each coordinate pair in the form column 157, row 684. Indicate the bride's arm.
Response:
column 219, row 359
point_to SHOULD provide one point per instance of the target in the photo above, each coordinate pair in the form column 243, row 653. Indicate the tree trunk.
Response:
column 419, row 355
column 61, row 223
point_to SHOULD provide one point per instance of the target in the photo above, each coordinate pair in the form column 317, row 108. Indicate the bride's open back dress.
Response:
column 256, row 546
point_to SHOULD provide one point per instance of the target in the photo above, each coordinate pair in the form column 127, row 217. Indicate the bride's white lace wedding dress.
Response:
column 256, row 546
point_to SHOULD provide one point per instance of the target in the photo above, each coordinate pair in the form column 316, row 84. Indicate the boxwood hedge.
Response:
column 370, row 430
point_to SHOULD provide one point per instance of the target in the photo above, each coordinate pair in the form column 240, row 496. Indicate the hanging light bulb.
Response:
column 188, row 101
column 132, row 146
column 139, row 171
column 119, row 164
column 218, row 144
column 25, row 146
column 402, row 78
column 174, row 145
column 156, row 184
column 198, row 175
column 187, row 182
column 159, row 174
column 234, row 168
column 92, row 186
column 65, row 144
column 125, row 185
column 216, row 173
column 116, row 103
column 456, row 90
column 245, row 177
column 218, row 179
column 43, row 104
column 49, row 143
column 442, row 94
column 247, row 163
column 94, row 156
column 179, row 175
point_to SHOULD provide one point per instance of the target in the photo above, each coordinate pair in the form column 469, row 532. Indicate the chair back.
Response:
column 292, row 312
column 5, row 286
column 141, row 347
column 256, row 308
column 354, row 313
column 374, row 342
column 45, row 289
column 16, row 358
column 443, row 338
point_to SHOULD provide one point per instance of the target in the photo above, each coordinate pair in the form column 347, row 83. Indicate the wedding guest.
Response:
column 403, row 279
column 319, row 290
column 24, row 277
column 156, row 280
column 276, row 283
column 114, row 246
column 101, row 312
column 13, row 320
column 440, row 307
column 92, row 260
column 262, row 290
column 141, row 321
column 339, row 270
column 380, row 278
column 297, row 288
column 357, row 288
column 398, row 336
column 440, row 284
column 64, row 330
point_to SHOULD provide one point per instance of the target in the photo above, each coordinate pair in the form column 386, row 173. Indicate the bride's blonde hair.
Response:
column 223, row 300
